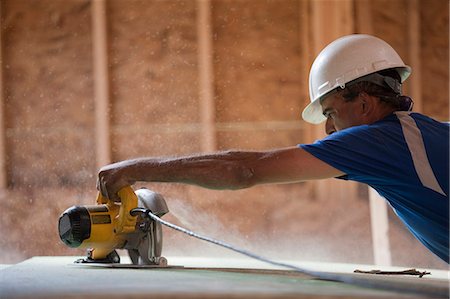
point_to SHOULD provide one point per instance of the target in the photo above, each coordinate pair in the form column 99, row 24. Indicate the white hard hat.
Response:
column 344, row 60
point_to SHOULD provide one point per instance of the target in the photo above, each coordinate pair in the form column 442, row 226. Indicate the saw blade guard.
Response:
column 153, row 201
column 145, row 246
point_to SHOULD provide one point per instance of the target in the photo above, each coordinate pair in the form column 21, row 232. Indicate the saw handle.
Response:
column 124, row 222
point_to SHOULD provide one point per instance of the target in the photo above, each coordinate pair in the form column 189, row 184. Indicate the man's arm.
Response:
column 222, row 170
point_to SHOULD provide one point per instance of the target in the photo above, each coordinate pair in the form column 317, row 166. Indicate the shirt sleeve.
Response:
column 364, row 153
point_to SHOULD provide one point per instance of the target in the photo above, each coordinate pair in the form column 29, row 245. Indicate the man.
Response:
column 374, row 138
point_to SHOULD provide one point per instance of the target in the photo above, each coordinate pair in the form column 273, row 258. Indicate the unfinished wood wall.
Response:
column 261, row 52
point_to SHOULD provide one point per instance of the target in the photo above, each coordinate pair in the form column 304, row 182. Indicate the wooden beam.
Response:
column 330, row 20
column 415, row 80
column 380, row 229
column 101, row 83
column 306, row 61
column 304, row 31
column 3, row 174
column 378, row 208
column 206, row 76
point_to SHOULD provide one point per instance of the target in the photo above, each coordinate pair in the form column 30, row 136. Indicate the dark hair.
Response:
column 384, row 93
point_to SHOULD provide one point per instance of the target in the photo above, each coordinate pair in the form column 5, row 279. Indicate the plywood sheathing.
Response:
column 48, row 97
column 257, row 48
column 153, row 60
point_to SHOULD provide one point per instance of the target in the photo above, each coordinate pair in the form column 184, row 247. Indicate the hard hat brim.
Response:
column 313, row 113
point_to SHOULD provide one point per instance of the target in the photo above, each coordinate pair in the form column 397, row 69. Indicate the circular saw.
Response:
column 108, row 225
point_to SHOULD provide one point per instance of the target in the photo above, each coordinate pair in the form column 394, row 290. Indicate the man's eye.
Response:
column 329, row 114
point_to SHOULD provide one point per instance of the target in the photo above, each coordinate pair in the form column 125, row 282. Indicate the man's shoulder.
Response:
column 400, row 118
column 419, row 117
column 389, row 127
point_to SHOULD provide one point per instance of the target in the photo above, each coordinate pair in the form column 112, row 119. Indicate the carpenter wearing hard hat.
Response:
column 355, row 86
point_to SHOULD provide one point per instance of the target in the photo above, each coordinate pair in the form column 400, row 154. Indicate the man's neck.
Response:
column 381, row 112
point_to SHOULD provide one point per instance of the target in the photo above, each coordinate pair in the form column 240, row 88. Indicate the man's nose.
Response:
column 329, row 126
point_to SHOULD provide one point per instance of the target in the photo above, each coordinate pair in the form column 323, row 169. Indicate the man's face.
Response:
column 341, row 114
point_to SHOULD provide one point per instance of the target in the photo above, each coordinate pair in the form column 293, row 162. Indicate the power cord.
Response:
column 424, row 288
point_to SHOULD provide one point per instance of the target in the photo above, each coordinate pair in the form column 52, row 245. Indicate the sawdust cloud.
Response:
column 258, row 242
column 10, row 256
column 187, row 216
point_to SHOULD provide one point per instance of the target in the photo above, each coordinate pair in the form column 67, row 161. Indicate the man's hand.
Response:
column 112, row 178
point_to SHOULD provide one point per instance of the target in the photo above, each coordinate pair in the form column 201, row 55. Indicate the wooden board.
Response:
column 57, row 277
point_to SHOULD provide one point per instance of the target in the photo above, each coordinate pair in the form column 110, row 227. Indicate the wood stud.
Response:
column 415, row 80
column 101, row 84
column 206, row 76
column 378, row 207
column 3, row 173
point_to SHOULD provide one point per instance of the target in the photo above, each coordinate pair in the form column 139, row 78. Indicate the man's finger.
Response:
column 103, row 189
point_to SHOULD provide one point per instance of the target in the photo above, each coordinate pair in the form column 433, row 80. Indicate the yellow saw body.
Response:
column 108, row 225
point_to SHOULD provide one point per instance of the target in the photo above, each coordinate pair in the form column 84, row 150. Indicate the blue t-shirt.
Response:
column 405, row 157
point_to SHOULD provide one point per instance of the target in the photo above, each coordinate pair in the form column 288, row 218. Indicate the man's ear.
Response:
column 367, row 103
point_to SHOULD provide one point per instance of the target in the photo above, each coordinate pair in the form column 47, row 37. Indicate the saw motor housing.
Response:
column 108, row 225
